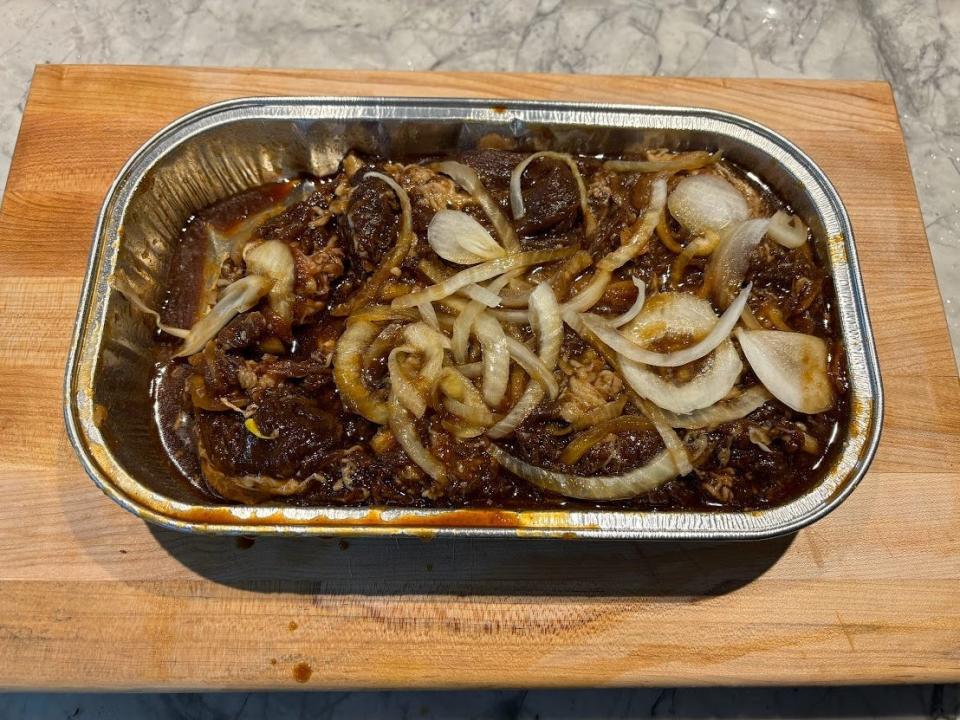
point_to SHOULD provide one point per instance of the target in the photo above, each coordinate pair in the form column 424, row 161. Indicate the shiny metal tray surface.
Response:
column 228, row 147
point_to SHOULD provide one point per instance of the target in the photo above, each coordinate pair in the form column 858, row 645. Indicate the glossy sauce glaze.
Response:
column 341, row 228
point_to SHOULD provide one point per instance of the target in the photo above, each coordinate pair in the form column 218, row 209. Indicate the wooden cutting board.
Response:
column 90, row 597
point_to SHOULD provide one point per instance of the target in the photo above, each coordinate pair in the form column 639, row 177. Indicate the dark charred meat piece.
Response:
column 243, row 331
column 493, row 167
column 550, row 197
column 304, row 435
column 371, row 224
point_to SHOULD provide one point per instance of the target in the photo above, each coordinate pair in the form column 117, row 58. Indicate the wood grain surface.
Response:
column 90, row 597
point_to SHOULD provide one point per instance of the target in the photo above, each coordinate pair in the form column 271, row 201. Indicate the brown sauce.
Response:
column 340, row 232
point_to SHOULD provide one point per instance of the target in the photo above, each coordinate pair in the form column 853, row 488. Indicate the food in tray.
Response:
column 500, row 328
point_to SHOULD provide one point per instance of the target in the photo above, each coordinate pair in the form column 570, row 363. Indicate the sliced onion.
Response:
column 403, row 429
column 468, row 179
column 729, row 262
column 787, row 230
column 478, row 273
column 516, row 299
column 600, row 415
column 142, row 307
column 590, row 295
column 625, row 347
column 402, row 386
column 640, row 232
column 430, row 344
column 237, row 297
column 481, row 295
column 348, row 371
column 597, row 432
column 516, row 191
column 426, row 339
column 273, row 259
column 406, row 239
column 475, row 415
column 701, row 247
column 707, row 202
column 381, row 314
column 681, row 314
column 609, row 487
column 496, row 358
column 511, row 316
column 533, row 365
column 458, row 238
column 725, row 411
column 471, row 370
column 548, row 325
column 429, row 315
column 682, row 161
column 465, row 319
column 669, row 436
column 792, row 366
column 635, row 308
column 464, row 400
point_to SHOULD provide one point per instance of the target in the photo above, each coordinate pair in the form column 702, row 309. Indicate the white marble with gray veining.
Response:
column 915, row 44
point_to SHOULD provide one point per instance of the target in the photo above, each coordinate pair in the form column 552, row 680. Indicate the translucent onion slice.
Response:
column 348, row 371
column 458, row 238
column 465, row 319
column 700, row 247
column 496, row 358
column 707, row 202
column 637, row 243
column 674, row 314
column 792, row 366
column 548, row 325
column 516, row 190
column 476, row 415
column 625, row 347
column 464, row 400
column 142, row 307
column 533, row 365
column 682, row 161
column 404, row 430
column 426, row 339
column 598, row 432
column 429, row 315
column 402, row 386
column 406, row 239
column 478, row 273
column 468, row 179
column 669, row 436
column 600, row 415
column 725, row 411
column 634, row 309
column 237, row 297
column 511, row 316
column 481, row 295
column 729, row 262
column 431, row 344
column 787, row 230
column 610, row 487
column 273, row 259
column 471, row 370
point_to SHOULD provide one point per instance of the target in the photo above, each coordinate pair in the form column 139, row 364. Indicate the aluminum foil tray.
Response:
column 228, row 147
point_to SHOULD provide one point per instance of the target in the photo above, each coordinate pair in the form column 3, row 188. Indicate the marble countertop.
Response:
column 914, row 44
